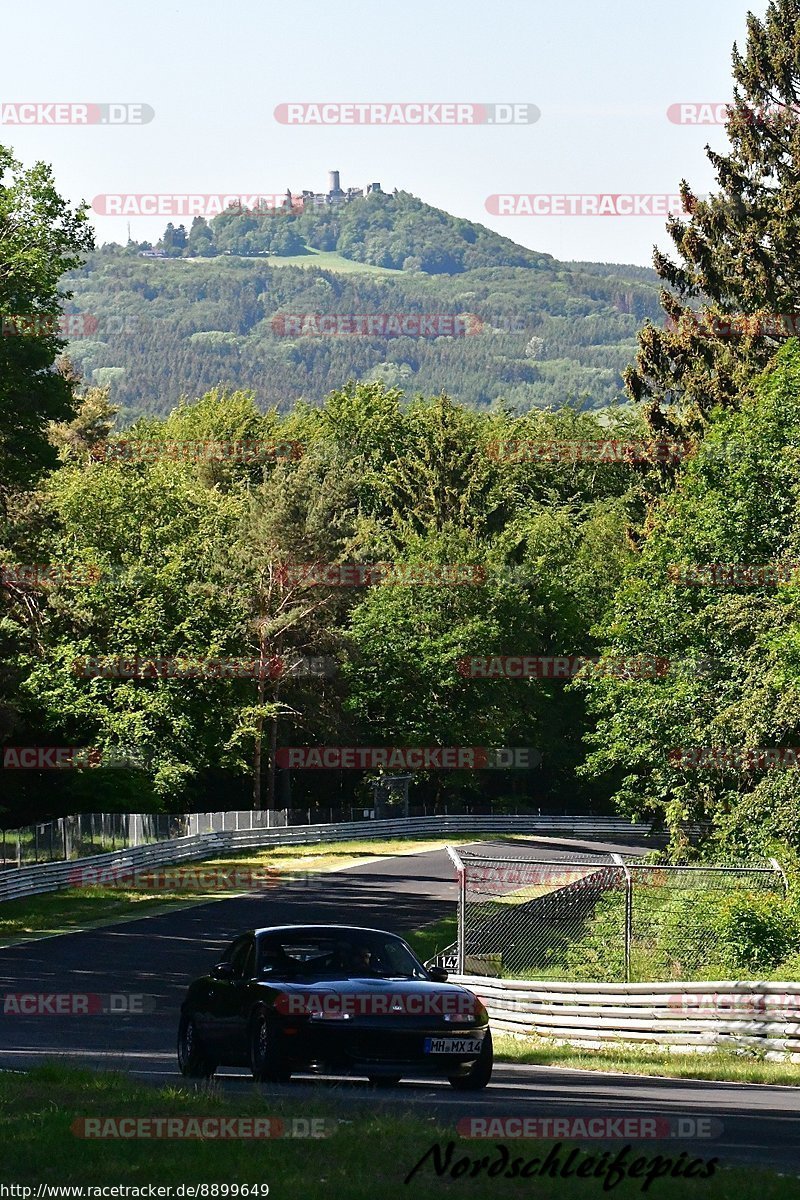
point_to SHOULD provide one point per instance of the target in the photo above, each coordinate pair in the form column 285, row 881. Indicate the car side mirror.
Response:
column 223, row 970
column 438, row 974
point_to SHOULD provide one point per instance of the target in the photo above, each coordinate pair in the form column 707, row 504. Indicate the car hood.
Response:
column 354, row 997
column 355, row 985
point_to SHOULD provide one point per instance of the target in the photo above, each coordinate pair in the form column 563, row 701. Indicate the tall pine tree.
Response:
column 739, row 250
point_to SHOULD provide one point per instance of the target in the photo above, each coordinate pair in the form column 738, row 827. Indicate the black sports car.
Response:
column 333, row 999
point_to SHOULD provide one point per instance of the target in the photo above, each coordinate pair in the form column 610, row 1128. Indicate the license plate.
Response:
column 452, row 1045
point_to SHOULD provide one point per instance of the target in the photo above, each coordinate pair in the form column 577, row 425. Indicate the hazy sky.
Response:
column 602, row 74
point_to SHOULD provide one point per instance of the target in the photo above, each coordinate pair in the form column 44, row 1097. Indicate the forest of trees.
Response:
column 683, row 551
column 179, row 558
column 529, row 337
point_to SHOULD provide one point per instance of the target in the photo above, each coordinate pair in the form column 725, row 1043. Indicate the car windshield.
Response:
column 336, row 954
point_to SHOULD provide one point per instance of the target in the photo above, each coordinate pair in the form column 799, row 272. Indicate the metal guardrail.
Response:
column 701, row 1017
column 16, row 882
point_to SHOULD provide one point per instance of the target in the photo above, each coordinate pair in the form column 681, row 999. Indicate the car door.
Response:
column 205, row 998
column 230, row 1002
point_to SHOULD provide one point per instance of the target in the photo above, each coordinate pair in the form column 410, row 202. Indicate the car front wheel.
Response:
column 481, row 1070
column 266, row 1059
column 192, row 1059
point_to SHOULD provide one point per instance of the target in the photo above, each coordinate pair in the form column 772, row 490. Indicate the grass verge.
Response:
column 370, row 1153
column 430, row 939
column 724, row 1066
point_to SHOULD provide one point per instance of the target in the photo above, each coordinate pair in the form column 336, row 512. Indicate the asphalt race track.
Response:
column 158, row 955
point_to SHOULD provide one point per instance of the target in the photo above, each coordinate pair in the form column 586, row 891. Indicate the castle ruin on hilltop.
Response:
column 334, row 195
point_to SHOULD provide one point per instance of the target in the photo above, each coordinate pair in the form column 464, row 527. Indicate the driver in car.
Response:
column 364, row 960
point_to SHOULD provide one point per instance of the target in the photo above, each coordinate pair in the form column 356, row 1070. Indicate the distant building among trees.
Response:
column 334, row 195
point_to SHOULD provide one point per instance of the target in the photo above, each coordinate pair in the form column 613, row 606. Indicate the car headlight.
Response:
column 469, row 1016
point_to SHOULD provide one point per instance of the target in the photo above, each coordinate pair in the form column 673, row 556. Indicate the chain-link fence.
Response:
column 601, row 918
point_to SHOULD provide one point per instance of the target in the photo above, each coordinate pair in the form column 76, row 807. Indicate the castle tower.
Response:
column 333, row 179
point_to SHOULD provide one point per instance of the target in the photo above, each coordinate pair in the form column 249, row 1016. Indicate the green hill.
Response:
column 240, row 301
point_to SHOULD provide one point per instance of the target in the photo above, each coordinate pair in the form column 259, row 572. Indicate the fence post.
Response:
column 628, row 914
column 461, row 871
column 462, row 921
column 777, row 866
